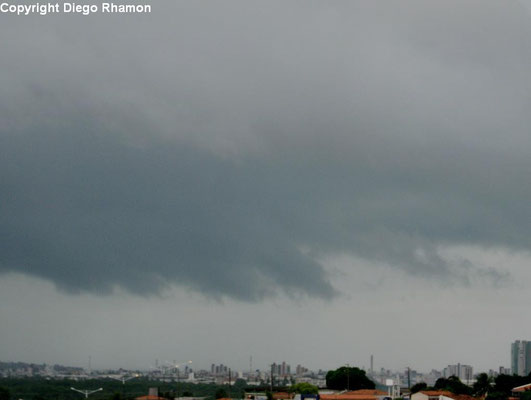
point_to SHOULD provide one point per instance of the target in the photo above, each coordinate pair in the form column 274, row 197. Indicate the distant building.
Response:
column 462, row 371
column 281, row 370
column 300, row 370
column 521, row 357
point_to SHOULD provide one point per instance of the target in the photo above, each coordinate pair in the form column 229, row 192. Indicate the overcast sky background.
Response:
column 308, row 181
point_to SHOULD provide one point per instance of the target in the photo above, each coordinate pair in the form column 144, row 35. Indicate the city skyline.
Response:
column 462, row 371
column 281, row 373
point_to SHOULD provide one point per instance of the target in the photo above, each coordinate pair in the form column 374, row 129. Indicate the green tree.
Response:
column 452, row 384
column 169, row 394
column 418, row 387
column 4, row 393
column 304, row 388
column 482, row 385
column 348, row 378
column 525, row 396
column 221, row 393
column 504, row 383
column 440, row 383
column 241, row 383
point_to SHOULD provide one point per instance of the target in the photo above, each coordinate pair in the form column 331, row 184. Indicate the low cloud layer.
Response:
column 226, row 148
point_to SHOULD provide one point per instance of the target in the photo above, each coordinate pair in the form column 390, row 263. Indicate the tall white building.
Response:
column 521, row 357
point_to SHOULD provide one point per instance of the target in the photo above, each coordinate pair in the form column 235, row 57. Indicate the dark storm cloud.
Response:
column 227, row 147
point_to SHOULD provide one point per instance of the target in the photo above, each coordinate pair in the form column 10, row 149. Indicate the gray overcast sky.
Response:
column 309, row 181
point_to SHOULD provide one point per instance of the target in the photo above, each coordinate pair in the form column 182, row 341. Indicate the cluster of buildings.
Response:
column 410, row 377
column 281, row 373
column 520, row 365
column 216, row 370
column 464, row 372
column 282, row 369
column 25, row 370
column 407, row 377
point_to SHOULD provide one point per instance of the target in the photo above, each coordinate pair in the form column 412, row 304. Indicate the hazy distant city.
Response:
column 283, row 373
column 278, row 381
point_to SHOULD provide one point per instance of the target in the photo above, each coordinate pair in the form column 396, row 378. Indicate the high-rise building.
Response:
column 504, row 371
column 283, row 369
column 463, row 372
column 521, row 357
column 300, row 370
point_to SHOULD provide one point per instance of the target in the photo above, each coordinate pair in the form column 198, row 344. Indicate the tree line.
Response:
column 45, row 389
column 498, row 388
